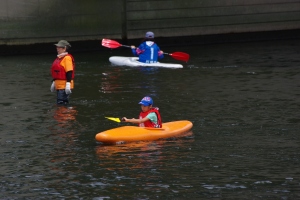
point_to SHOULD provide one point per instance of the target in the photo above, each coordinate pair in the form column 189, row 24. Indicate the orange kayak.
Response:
column 135, row 133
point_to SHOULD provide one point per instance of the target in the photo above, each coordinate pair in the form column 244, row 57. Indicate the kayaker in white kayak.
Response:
column 149, row 117
column 148, row 51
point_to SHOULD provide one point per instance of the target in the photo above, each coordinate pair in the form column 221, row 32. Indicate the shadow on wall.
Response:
column 95, row 45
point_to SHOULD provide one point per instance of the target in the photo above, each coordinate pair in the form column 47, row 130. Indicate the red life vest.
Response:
column 58, row 71
column 149, row 123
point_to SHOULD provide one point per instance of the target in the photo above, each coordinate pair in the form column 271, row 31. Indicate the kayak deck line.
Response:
column 133, row 62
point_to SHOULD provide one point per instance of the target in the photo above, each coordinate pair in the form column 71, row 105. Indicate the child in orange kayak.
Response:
column 149, row 117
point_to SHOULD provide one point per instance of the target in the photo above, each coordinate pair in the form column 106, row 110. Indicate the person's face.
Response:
column 60, row 50
column 145, row 108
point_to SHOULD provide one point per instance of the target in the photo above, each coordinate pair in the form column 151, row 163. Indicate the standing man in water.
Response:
column 62, row 72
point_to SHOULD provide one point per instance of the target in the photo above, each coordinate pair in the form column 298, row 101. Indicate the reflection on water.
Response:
column 141, row 155
column 142, row 147
column 63, row 135
column 141, row 164
column 65, row 122
column 109, row 81
column 242, row 99
column 64, row 115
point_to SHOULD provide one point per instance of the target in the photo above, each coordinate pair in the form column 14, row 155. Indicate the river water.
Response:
column 243, row 99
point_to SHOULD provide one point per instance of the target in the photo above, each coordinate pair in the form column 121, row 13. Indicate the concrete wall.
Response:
column 43, row 21
column 204, row 17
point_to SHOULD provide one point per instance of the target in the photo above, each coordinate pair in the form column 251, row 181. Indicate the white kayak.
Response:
column 133, row 62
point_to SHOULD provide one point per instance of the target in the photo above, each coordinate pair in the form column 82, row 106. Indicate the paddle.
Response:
column 114, row 44
column 115, row 119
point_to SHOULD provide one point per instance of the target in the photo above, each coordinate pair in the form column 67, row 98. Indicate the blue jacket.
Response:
column 148, row 54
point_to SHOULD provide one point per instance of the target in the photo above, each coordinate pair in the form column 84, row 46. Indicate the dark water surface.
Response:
column 243, row 100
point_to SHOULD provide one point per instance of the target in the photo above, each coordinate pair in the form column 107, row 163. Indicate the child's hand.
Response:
column 132, row 47
column 123, row 119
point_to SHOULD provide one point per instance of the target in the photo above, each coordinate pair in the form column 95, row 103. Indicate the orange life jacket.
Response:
column 58, row 71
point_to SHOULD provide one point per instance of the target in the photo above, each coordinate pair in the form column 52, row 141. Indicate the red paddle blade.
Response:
column 180, row 56
column 110, row 43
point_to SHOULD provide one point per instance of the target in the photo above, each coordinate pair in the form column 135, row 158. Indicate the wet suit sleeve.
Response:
column 134, row 52
column 138, row 50
column 68, row 64
column 69, row 76
column 160, row 55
